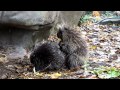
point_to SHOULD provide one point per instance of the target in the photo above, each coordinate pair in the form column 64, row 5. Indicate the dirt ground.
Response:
column 22, row 69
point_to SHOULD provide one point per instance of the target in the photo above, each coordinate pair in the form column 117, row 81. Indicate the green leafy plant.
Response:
column 85, row 18
column 106, row 72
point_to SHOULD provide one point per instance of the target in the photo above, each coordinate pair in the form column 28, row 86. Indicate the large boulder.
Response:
column 71, row 17
column 28, row 19
column 21, row 30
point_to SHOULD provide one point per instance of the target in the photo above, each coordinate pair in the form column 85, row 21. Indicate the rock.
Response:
column 71, row 17
column 28, row 19
column 20, row 31
column 36, row 19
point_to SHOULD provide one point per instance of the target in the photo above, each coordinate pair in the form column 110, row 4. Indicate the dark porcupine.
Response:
column 47, row 56
column 73, row 45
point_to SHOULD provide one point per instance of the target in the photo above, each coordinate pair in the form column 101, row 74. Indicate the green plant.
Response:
column 106, row 72
column 84, row 18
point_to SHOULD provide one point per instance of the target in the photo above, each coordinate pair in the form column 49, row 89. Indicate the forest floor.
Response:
column 104, row 56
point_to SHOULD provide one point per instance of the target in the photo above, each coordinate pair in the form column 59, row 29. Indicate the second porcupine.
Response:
column 73, row 45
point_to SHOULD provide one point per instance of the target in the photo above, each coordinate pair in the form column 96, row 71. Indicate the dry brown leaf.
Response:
column 92, row 77
column 3, row 58
column 55, row 75
column 38, row 74
column 82, row 76
column 95, row 13
column 18, row 67
column 93, row 47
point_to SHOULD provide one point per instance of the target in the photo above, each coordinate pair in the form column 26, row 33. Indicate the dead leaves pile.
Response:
column 104, row 47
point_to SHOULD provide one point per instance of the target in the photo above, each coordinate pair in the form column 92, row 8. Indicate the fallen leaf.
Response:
column 3, row 58
column 93, row 47
column 38, row 74
column 93, row 77
column 55, row 75
column 95, row 13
